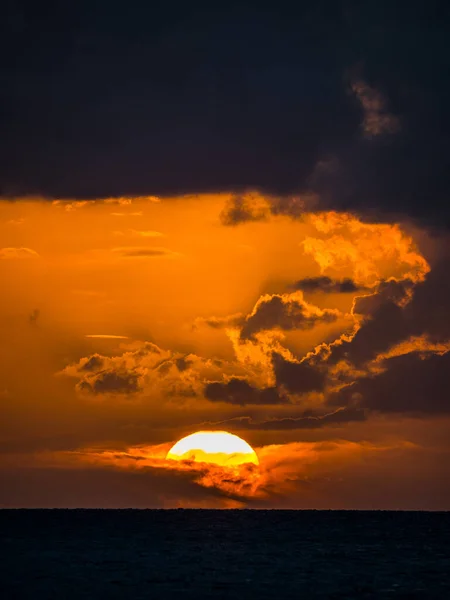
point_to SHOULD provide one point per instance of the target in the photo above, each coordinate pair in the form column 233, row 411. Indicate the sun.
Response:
column 217, row 447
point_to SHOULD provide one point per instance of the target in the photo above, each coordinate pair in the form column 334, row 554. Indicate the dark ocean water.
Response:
column 65, row 554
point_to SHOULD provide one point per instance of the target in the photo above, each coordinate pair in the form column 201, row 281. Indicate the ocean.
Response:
column 193, row 554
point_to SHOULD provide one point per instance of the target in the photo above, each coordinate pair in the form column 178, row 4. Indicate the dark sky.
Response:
column 107, row 99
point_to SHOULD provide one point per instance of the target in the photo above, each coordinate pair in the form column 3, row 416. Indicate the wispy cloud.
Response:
column 18, row 253
column 137, row 252
column 139, row 233
column 106, row 336
column 377, row 119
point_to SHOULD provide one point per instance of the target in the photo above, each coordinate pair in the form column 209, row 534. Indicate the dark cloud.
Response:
column 297, row 377
column 377, row 119
column 249, row 207
column 306, row 421
column 327, row 285
column 290, row 378
column 93, row 363
column 286, row 312
column 427, row 313
column 387, row 327
column 429, row 310
column 410, row 384
column 111, row 382
column 240, row 210
column 239, row 391
column 396, row 360
column 101, row 101
column 387, row 291
column 221, row 322
column 182, row 363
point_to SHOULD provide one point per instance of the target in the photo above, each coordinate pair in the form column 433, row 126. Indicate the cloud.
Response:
column 93, row 363
column 297, row 377
column 123, row 374
column 301, row 474
column 139, row 233
column 377, row 119
column 106, row 336
column 327, row 285
column 285, row 312
column 109, row 382
column 136, row 252
column 127, row 201
column 340, row 416
column 408, row 383
column 386, row 327
column 226, row 140
column 422, row 345
column 146, row 369
column 244, row 209
column 239, row 391
column 396, row 311
column 253, row 207
column 396, row 359
column 70, row 206
column 384, row 313
column 393, row 291
column 17, row 253
column 344, row 242
column 231, row 321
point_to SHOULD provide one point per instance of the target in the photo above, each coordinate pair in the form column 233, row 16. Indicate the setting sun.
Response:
column 218, row 447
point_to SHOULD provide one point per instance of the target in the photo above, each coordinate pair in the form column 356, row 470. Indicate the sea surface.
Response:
column 184, row 554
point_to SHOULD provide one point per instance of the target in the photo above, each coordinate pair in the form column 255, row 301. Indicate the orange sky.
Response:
column 129, row 323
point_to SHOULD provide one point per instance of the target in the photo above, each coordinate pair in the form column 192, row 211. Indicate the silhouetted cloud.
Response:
column 286, row 312
column 396, row 292
column 327, row 285
column 239, row 391
column 240, row 209
column 297, row 102
column 92, row 363
column 106, row 336
column 306, row 421
column 409, row 383
column 109, row 382
column 389, row 319
column 182, row 363
column 221, row 322
column 297, row 377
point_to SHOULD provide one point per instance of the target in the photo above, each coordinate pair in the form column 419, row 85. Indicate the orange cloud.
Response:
column 368, row 251
column 284, row 471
